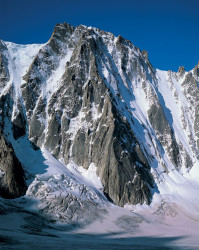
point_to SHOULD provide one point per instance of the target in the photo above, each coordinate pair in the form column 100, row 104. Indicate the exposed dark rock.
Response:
column 4, row 72
column 181, row 71
column 191, row 92
column 163, row 130
column 196, row 70
column 19, row 122
column 12, row 183
column 37, row 125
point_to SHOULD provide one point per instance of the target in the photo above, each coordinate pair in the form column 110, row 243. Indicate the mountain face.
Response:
column 93, row 99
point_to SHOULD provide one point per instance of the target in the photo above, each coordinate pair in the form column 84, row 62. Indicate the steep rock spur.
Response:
column 12, row 177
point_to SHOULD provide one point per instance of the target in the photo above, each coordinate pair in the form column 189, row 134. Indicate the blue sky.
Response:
column 168, row 30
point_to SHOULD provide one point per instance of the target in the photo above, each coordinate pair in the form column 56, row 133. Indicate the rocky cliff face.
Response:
column 12, row 183
column 89, row 97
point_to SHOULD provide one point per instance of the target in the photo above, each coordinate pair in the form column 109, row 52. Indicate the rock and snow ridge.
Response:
column 86, row 114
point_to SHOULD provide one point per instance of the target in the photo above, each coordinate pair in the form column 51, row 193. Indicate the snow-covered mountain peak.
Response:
column 95, row 103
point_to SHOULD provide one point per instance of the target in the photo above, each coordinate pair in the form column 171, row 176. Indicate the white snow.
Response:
column 20, row 57
column 53, row 81
column 88, row 176
column 171, row 104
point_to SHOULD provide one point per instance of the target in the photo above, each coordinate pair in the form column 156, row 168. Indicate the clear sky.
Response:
column 168, row 30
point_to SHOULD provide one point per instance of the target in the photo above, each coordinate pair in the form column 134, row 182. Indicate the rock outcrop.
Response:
column 12, row 182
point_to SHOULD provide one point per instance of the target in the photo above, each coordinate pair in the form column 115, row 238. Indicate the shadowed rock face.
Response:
column 83, row 98
column 163, row 130
column 12, row 183
column 191, row 91
column 4, row 72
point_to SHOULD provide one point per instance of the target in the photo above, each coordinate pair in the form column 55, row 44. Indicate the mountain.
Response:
column 86, row 119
